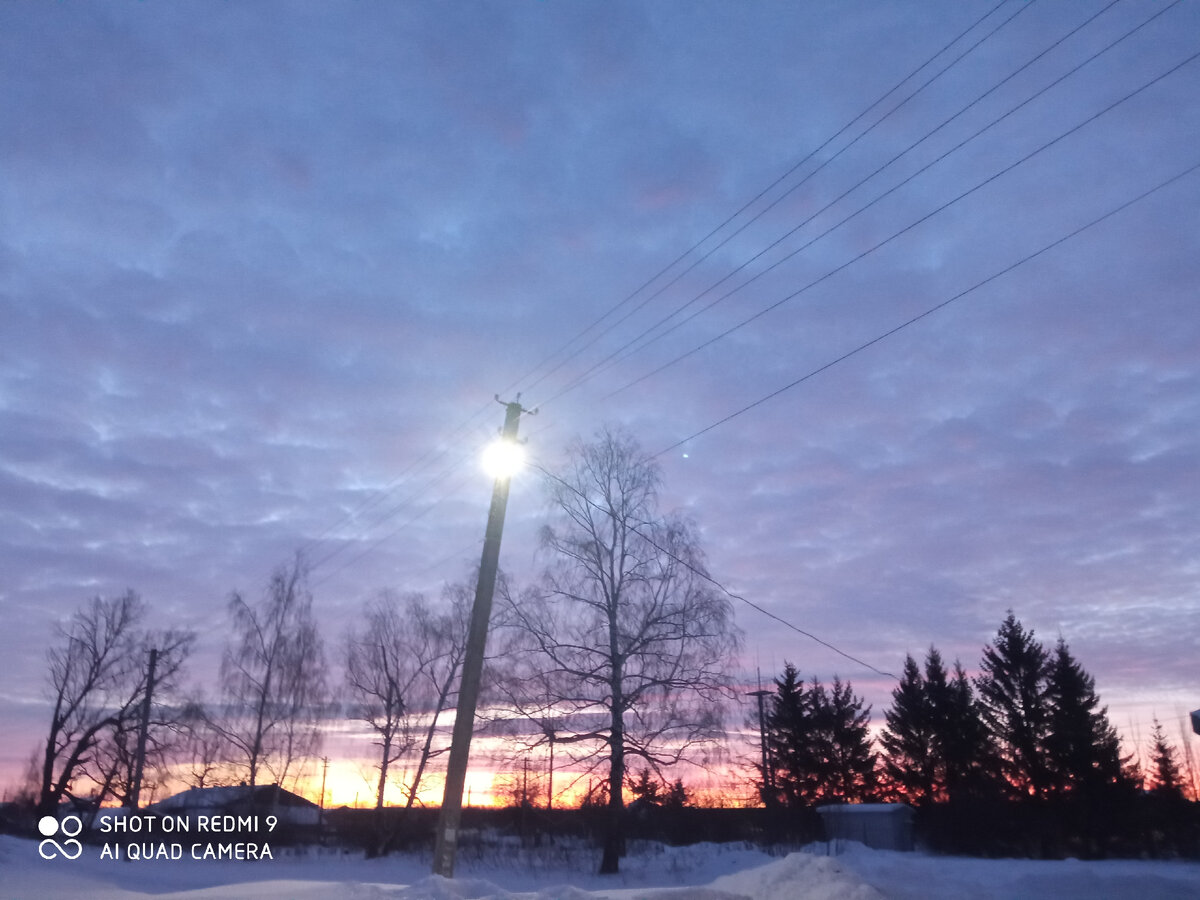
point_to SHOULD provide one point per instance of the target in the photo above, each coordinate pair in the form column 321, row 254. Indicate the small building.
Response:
column 883, row 826
column 242, row 800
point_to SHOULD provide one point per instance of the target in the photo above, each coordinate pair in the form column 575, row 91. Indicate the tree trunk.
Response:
column 443, row 693
column 614, row 843
column 381, row 837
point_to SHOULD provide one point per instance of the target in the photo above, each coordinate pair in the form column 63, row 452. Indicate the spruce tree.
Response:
column 1164, row 767
column 1083, row 749
column 1013, row 702
column 677, row 796
column 788, row 738
column 852, row 759
column 646, row 788
column 819, row 742
column 936, row 745
column 910, row 739
column 818, row 753
column 972, row 764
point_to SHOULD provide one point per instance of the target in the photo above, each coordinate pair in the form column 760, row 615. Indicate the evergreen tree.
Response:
column 678, row 796
column 646, row 788
column 936, row 745
column 819, row 743
column 1013, row 703
column 1164, row 767
column 851, row 771
column 818, row 774
column 1082, row 748
column 910, row 738
column 968, row 751
column 788, row 729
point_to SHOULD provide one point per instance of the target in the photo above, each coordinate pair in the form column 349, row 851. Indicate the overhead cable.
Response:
column 619, row 354
column 933, row 309
column 647, row 337
column 765, row 191
column 696, row 570
column 907, row 228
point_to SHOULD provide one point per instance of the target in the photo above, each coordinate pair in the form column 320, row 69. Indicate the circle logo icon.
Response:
column 70, row 827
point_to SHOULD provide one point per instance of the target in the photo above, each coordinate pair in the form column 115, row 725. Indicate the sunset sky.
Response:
column 264, row 266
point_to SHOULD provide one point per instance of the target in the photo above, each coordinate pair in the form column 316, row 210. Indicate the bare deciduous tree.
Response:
column 520, row 786
column 624, row 645
column 382, row 666
column 274, row 679
column 115, row 763
column 98, row 678
column 400, row 666
column 443, row 645
column 197, row 754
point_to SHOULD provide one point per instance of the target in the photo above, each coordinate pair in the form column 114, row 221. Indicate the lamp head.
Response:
column 503, row 458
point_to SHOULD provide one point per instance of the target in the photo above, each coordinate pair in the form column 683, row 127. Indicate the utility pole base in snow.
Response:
column 446, row 840
column 443, row 852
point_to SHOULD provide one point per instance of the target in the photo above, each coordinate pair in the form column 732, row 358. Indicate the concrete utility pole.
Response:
column 139, row 765
column 446, row 840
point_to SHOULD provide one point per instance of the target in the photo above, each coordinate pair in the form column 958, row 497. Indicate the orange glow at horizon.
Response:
column 353, row 784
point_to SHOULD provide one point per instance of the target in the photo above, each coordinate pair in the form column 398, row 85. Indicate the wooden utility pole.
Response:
column 321, row 806
column 446, row 839
column 550, row 788
column 768, row 779
column 324, row 773
column 139, row 764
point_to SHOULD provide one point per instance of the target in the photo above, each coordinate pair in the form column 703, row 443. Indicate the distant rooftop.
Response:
column 231, row 795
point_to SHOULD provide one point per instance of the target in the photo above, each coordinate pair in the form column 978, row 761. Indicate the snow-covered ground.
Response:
column 652, row 872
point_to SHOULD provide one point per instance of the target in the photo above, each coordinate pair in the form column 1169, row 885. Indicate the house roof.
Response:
column 232, row 795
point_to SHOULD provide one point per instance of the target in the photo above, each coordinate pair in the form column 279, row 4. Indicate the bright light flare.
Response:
column 502, row 459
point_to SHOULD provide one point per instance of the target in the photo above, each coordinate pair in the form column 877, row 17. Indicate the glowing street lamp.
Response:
column 501, row 459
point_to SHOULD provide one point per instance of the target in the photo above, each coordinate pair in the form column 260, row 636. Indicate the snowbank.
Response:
column 700, row 872
column 798, row 875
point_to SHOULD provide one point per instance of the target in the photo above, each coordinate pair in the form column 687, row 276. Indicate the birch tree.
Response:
column 624, row 644
column 274, row 678
column 400, row 664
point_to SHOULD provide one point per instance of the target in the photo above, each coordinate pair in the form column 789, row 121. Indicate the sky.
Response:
column 901, row 296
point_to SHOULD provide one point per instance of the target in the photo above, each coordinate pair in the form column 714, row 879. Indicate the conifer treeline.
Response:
column 1021, row 758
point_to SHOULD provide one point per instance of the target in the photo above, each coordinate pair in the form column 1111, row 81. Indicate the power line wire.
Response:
column 765, row 191
column 369, row 548
column 941, row 208
column 646, row 338
column 707, row 577
column 370, row 503
column 755, row 606
column 604, row 363
column 429, row 458
column 395, row 510
column 933, row 309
